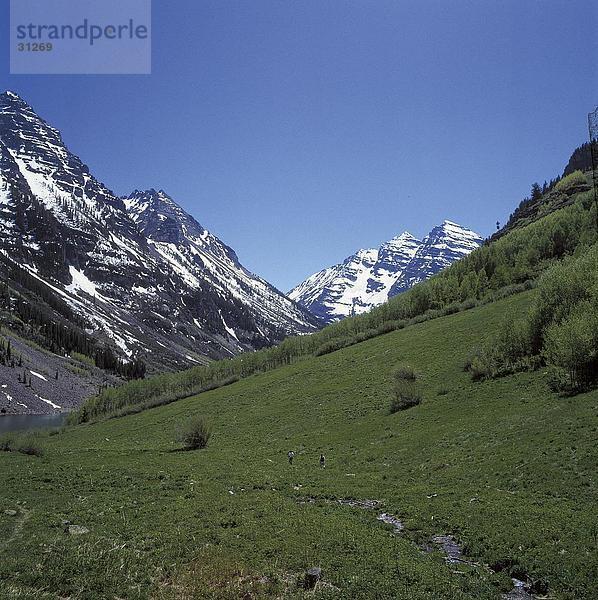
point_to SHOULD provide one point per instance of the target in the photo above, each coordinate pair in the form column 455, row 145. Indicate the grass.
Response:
column 505, row 466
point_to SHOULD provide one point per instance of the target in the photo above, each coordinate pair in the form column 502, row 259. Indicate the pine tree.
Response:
column 536, row 192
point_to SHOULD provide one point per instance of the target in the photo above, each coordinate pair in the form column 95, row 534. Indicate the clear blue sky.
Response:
column 299, row 131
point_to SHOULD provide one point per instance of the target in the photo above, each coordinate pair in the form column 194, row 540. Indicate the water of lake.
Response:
column 21, row 422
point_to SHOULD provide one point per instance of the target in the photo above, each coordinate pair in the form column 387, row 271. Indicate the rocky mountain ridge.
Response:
column 143, row 278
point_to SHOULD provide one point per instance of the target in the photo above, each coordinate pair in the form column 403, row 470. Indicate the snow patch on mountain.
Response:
column 81, row 282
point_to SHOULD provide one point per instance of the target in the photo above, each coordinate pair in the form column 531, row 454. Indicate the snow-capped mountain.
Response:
column 443, row 246
column 370, row 277
column 199, row 256
column 144, row 275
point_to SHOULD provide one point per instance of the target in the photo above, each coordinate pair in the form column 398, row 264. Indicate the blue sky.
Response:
column 299, row 131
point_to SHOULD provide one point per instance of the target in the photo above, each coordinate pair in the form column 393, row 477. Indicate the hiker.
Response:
column 291, row 456
column 322, row 461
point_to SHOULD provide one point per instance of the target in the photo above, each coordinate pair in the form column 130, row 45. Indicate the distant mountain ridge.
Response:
column 370, row 277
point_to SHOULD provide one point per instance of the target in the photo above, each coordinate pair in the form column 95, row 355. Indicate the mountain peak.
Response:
column 150, row 194
column 162, row 220
column 447, row 225
column 12, row 95
column 453, row 230
column 137, row 196
column 371, row 277
column 140, row 203
column 11, row 101
column 402, row 237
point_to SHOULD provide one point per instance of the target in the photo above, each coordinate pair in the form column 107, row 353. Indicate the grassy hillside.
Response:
column 503, row 267
column 504, row 465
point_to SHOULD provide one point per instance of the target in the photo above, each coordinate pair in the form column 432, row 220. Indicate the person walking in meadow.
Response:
column 291, row 456
column 322, row 461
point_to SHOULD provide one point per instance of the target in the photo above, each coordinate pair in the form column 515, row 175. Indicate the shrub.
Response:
column 404, row 373
column 194, row 434
column 561, row 288
column 331, row 346
column 481, row 364
column 513, row 343
column 389, row 326
column 571, row 348
column 7, row 443
column 29, row 444
column 25, row 443
column 405, row 391
column 404, row 401
column 83, row 358
column 419, row 319
column 570, row 181
column 561, row 329
column 451, row 309
column 368, row 334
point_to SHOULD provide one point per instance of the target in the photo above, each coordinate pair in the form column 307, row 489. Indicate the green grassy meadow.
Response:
column 505, row 466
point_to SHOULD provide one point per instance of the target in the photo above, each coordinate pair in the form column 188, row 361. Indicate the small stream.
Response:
column 23, row 422
column 447, row 544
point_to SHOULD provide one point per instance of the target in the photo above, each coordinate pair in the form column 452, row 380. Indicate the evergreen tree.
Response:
column 536, row 192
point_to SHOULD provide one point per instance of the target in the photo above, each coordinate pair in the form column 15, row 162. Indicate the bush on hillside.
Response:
column 195, row 433
column 27, row 442
column 7, row 443
column 389, row 326
column 571, row 349
column 513, row 342
column 561, row 329
column 572, row 180
column 405, row 391
column 481, row 364
column 507, row 352
column 331, row 346
column 404, row 373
